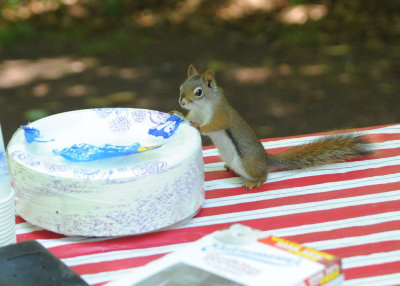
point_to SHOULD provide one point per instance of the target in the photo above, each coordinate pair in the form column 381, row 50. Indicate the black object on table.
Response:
column 29, row 263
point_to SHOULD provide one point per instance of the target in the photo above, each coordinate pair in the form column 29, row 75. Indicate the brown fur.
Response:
column 329, row 149
column 212, row 112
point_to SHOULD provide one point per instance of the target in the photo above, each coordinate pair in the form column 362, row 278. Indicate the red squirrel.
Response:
column 237, row 143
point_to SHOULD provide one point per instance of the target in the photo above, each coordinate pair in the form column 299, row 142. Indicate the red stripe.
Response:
column 296, row 199
column 128, row 263
column 175, row 236
column 365, row 248
column 372, row 270
column 140, row 261
column 39, row 234
column 208, row 147
column 19, row 219
column 381, row 137
column 305, row 181
column 212, row 159
column 238, row 207
column 218, row 175
column 356, row 130
column 353, row 231
column 114, row 265
column 261, row 204
column 223, row 174
column 319, row 216
column 376, row 138
column 193, row 233
column 167, row 237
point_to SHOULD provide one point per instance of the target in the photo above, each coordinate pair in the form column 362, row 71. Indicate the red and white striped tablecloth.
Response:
column 350, row 209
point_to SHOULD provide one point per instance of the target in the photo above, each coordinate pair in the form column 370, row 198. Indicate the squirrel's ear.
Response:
column 208, row 77
column 192, row 70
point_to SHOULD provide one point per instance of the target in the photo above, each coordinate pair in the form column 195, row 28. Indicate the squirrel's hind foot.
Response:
column 250, row 185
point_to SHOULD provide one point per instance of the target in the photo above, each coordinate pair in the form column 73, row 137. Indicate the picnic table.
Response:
column 350, row 209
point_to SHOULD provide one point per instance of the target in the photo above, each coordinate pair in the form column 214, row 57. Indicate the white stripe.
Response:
column 386, row 279
column 303, row 140
column 355, row 240
column 335, row 225
column 218, row 166
column 390, row 144
column 371, row 259
column 311, row 228
column 108, row 276
column 267, row 195
column 48, row 243
column 250, row 197
column 248, row 215
column 394, row 129
column 348, row 263
column 336, row 168
column 393, row 144
column 306, row 190
column 389, row 279
column 293, row 209
column 26, row 227
column 121, row 254
column 359, row 261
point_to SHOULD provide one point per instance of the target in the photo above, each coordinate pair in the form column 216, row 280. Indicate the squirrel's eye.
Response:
column 198, row 92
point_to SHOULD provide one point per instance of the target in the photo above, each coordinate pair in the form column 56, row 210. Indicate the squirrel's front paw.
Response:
column 195, row 125
column 177, row 113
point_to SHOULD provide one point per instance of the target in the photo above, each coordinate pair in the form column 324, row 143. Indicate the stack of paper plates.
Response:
column 122, row 195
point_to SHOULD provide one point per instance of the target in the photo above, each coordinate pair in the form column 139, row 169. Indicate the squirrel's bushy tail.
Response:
column 329, row 149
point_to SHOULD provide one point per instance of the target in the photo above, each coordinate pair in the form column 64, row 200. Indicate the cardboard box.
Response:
column 240, row 256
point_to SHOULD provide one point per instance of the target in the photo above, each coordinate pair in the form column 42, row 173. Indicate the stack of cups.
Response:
column 7, row 215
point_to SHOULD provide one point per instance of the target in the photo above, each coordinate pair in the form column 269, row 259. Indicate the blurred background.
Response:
column 289, row 66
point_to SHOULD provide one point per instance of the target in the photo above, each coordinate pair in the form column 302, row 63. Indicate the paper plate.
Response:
column 123, row 195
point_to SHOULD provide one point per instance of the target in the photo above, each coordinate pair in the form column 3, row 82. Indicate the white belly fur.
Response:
column 228, row 152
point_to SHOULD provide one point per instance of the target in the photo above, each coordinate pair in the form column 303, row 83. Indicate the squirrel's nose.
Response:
column 181, row 102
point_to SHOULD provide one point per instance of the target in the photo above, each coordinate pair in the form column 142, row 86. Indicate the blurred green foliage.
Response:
column 283, row 65
column 14, row 32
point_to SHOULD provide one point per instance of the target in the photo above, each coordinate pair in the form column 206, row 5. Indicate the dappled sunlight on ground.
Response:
column 300, row 14
column 15, row 73
column 261, row 74
column 184, row 9
column 250, row 74
column 235, row 9
column 177, row 12
column 33, row 88
column 123, row 72
column 279, row 109
column 29, row 9
column 314, row 70
column 289, row 67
